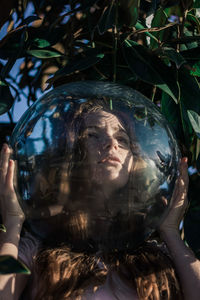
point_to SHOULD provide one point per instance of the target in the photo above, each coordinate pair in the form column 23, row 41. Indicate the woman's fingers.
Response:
column 179, row 201
column 10, row 175
column 181, row 186
column 4, row 160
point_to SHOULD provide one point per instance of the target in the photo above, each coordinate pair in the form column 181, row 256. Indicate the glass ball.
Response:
column 96, row 166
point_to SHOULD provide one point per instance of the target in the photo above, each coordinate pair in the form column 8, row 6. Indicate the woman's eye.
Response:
column 92, row 135
column 123, row 140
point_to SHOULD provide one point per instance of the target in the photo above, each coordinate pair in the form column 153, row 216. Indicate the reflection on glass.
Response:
column 92, row 174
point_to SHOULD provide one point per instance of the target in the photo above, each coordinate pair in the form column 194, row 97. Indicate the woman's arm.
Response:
column 186, row 264
column 11, row 285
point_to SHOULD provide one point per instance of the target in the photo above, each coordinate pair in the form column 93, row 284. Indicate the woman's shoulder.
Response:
column 28, row 248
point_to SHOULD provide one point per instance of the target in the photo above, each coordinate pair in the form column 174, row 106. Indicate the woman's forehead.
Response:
column 102, row 119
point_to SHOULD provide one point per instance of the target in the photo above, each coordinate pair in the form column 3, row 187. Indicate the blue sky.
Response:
column 19, row 108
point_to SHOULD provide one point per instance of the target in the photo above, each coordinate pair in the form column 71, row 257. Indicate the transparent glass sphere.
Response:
column 97, row 163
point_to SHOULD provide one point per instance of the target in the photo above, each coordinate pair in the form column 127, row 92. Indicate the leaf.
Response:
column 87, row 4
column 195, row 69
column 129, row 11
column 195, row 19
column 190, row 92
column 185, row 40
column 139, row 26
column 44, row 53
column 8, row 66
column 189, row 100
column 137, row 60
column 41, row 43
column 195, row 121
column 9, row 265
column 6, row 99
column 150, row 68
column 191, row 54
column 30, row 19
column 3, row 83
column 5, row 11
column 198, row 166
column 196, row 4
column 159, row 20
column 107, row 19
column 172, row 113
column 79, row 63
column 2, row 228
column 173, row 55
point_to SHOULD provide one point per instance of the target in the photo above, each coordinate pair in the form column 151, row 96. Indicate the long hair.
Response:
column 63, row 274
column 82, row 190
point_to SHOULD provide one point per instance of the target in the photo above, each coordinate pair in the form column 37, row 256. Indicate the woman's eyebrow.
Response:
column 93, row 127
column 121, row 130
column 98, row 128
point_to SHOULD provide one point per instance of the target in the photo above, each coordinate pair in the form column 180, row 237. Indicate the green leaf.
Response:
column 190, row 91
column 129, row 11
column 195, row 69
column 159, row 20
column 139, row 26
column 9, row 265
column 30, row 19
column 196, row 4
column 185, row 40
column 172, row 113
column 13, row 47
column 150, row 68
column 79, row 63
column 198, row 168
column 41, row 43
column 191, row 54
column 136, row 57
column 107, row 19
column 193, row 19
column 8, row 66
column 3, row 83
column 6, row 99
column 44, row 53
column 195, row 121
column 2, row 228
column 189, row 100
column 173, row 55
column 87, row 4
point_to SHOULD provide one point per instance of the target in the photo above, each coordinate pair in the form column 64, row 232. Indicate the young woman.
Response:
column 60, row 273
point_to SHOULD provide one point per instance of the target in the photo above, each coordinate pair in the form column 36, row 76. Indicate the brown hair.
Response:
column 75, row 166
column 82, row 189
column 63, row 274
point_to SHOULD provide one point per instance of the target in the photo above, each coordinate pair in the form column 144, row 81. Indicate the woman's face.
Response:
column 109, row 157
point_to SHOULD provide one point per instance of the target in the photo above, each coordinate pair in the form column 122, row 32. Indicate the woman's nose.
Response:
column 109, row 142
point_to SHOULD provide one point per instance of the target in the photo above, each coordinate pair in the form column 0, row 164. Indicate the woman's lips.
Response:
column 110, row 159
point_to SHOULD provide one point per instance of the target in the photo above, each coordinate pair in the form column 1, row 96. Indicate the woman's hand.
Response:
column 187, row 266
column 179, row 201
column 9, row 206
column 11, row 285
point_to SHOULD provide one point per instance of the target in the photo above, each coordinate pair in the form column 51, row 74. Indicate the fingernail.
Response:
column 11, row 162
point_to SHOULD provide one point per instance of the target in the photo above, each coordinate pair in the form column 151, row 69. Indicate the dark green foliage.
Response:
column 195, row 121
column 9, row 264
column 6, row 99
column 2, row 228
column 65, row 41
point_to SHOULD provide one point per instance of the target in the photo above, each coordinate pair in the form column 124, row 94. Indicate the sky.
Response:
column 18, row 109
